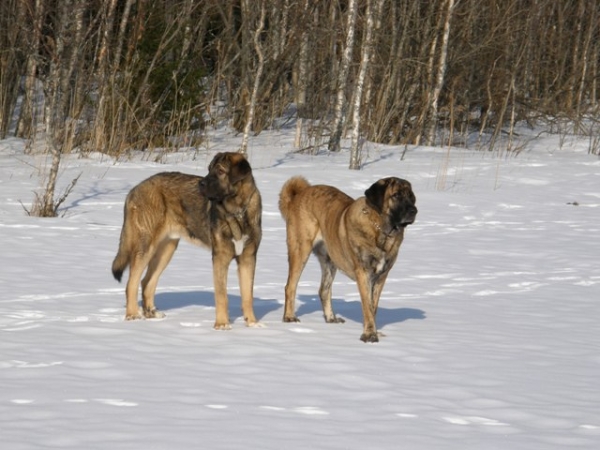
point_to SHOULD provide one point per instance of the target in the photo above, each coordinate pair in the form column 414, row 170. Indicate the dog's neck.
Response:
column 235, row 216
column 387, row 235
column 238, row 211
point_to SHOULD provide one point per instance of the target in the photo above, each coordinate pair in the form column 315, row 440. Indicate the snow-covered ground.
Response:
column 491, row 314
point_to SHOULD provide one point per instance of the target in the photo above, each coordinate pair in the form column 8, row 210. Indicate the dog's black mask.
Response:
column 393, row 197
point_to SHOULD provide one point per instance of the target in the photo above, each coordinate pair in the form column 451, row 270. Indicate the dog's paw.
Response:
column 154, row 314
column 370, row 337
column 334, row 319
column 290, row 319
column 134, row 316
column 222, row 326
column 255, row 324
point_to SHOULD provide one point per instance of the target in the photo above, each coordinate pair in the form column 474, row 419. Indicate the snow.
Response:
column 490, row 314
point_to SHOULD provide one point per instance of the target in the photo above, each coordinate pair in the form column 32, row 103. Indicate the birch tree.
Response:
column 103, row 64
column 300, row 78
column 27, row 118
column 366, row 50
column 13, row 20
column 342, row 79
column 441, row 72
column 58, row 100
column 257, row 75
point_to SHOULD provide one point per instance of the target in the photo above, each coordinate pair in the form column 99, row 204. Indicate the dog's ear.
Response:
column 239, row 170
column 217, row 158
column 376, row 194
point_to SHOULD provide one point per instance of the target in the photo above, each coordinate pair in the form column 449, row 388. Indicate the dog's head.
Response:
column 394, row 199
column 225, row 173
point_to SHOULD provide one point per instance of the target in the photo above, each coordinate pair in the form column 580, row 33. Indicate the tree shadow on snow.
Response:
column 166, row 301
column 352, row 311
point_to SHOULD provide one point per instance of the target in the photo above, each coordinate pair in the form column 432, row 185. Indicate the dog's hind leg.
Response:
column 157, row 265
column 328, row 271
column 299, row 249
column 139, row 262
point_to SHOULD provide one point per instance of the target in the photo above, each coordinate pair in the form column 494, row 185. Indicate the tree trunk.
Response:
column 27, row 119
column 367, row 45
column 300, row 79
column 441, row 72
column 342, row 80
column 59, row 104
column 100, row 142
column 257, row 76
column 52, row 103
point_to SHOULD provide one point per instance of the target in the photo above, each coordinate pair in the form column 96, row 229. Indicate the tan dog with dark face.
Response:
column 359, row 237
column 221, row 211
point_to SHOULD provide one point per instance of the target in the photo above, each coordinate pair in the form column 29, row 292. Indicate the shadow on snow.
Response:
column 306, row 304
column 166, row 301
column 352, row 311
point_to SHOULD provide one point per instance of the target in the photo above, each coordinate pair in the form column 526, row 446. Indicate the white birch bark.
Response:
column 342, row 81
column 441, row 72
column 103, row 63
column 366, row 48
column 301, row 74
column 257, row 77
column 52, row 103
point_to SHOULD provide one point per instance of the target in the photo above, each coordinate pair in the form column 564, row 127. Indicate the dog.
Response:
column 359, row 237
column 221, row 211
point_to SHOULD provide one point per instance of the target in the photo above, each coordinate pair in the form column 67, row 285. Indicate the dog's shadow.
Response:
column 166, row 301
column 352, row 311
column 308, row 304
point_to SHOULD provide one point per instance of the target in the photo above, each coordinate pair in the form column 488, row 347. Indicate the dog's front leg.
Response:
column 221, row 261
column 377, row 288
column 365, row 290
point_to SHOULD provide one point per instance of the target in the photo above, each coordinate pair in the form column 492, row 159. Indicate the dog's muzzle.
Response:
column 408, row 217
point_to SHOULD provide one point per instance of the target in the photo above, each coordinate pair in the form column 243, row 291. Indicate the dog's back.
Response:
column 166, row 205
column 298, row 196
column 315, row 214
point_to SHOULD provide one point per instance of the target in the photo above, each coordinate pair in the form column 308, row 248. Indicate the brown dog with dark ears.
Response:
column 221, row 211
column 359, row 237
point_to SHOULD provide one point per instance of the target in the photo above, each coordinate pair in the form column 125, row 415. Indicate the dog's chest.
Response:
column 380, row 265
column 239, row 244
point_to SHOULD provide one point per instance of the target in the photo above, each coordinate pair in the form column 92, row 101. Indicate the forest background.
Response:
column 114, row 75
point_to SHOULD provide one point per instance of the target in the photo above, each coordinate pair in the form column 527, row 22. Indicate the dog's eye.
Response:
column 220, row 171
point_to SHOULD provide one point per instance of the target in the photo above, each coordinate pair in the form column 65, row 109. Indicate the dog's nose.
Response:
column 413, row 210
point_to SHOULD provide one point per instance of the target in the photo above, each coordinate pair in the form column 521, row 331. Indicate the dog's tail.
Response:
column 290, row 189
column 119, row 265
column 121, row 261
